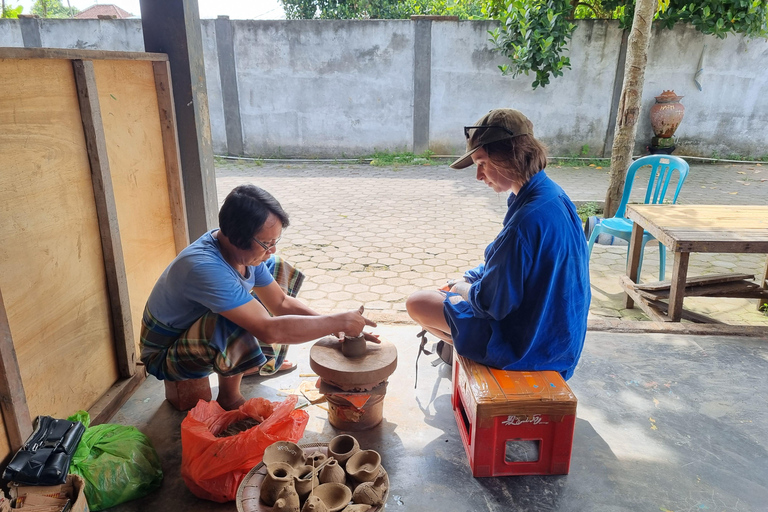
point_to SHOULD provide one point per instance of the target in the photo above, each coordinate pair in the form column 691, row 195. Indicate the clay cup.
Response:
column 342, row 447
column 364, row 465
column 335, row 496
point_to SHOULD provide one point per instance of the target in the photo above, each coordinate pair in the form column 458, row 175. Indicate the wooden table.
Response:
column 694, row 228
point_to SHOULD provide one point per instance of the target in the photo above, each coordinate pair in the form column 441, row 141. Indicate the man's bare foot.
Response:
column 233, row 405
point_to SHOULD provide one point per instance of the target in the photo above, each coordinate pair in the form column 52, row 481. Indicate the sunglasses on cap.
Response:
column 481, row 130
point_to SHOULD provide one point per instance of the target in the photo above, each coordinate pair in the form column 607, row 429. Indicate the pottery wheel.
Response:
column 352, row 373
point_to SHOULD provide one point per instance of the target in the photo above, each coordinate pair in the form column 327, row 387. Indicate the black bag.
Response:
column 443, row 350
column 44, row 459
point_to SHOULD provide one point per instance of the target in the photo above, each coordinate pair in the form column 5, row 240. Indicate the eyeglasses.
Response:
column 486, row 127
column 270, row 246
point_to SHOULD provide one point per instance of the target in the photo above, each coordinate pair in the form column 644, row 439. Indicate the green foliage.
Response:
column 534, row 34
column 764, row 309
column 587, row 210
column 53, row 9
column 387, row 159
column 10, row 11
column 379, row 9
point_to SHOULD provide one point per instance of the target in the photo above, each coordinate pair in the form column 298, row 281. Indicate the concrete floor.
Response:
column 665, row 422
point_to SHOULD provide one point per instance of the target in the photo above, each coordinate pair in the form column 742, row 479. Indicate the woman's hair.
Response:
column 244, row 212
column 519, row 157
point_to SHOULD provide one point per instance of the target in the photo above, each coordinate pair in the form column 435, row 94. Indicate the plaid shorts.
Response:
column 181, row 354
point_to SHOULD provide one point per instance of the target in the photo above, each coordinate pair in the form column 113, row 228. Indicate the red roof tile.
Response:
column 94, row 11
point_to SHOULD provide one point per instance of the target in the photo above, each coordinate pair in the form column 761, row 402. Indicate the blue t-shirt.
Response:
column 528, row 302
column 199, row 280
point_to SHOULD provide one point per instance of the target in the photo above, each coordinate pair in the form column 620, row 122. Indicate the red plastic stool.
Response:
column 513, row 423
column 184, row 394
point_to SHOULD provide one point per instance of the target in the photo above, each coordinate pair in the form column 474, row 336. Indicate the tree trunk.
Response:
column 629, row 104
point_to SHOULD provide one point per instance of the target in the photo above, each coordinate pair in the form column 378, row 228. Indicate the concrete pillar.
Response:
column 173, row 27
column 225, row 47
column 422, row 77
column 30, row 30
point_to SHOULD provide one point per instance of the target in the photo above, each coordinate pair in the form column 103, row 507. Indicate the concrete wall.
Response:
column 347, row 88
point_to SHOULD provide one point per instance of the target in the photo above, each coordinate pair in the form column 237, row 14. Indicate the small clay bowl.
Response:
column 335, row 496
column 364, row 465
column 342, row 447
column 284, row 451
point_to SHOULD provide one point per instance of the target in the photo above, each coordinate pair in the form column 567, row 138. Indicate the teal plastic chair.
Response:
column 662, row 169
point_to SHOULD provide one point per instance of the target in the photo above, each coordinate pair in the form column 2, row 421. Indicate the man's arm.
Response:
column 294, row 328
column 279, row 303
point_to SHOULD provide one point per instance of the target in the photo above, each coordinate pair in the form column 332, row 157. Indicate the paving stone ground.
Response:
column 373, row 235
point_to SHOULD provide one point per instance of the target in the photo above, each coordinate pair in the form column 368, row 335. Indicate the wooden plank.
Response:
column 114, row 264
column 763, row 285
column 71, row 54
column 106, row 407
column 13, row 401
column 696, row 281
column 629, row 326
column 51, row 263
column 677, row 290
column 633, row 260
column 164, row 88
column 132, row 129
column 739, row 289
column 629, row 289
column 715, row 217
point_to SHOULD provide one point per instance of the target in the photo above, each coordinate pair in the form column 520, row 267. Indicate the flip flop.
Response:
column 287, row 366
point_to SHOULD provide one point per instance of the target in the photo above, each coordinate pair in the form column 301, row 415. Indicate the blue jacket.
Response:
column 528, row 302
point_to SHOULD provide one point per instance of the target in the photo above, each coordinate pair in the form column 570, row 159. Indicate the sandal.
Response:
column 287, row 366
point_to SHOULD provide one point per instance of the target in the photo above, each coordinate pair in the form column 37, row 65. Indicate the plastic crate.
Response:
column 513, row 423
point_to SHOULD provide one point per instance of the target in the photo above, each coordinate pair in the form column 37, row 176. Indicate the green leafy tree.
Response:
column 534, row 34
column 9, row 11
column 379, row 9
column 53, row 9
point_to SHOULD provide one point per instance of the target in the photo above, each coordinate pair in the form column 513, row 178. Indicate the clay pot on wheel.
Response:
column 364, row 465
column 342, row 447
column 354, row 347
column 332, row 472
column 335, row 496
column 304, row 485
column 279, row 476
column 666, row 114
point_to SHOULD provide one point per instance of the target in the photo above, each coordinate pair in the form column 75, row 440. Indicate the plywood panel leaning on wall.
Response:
column 131, row 119
column 91, row 212
column 51, row 263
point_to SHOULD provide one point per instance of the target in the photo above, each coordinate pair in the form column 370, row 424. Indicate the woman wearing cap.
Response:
column 525, row 307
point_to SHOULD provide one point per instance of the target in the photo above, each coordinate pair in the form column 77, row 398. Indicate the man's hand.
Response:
column 357, row 318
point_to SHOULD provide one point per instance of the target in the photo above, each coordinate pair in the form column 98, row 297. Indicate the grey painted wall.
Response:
column 347, row 88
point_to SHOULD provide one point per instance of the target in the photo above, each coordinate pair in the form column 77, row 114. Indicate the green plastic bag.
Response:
column 117, row 462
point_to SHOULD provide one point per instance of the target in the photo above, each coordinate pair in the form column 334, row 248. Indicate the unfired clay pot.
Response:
column 342, row 447
column 287, row 501
column 354, row 347
column 335, row 496
column 666, row 114
column 284, row 451
column 304, row 485
column 279, row 476
column 371, row 493
column 315, row 459
column 356, row 507
column 364, row 465
column 332, row 472
column 314, row 504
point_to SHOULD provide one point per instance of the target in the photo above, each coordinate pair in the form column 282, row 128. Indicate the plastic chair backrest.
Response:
column 662, row 168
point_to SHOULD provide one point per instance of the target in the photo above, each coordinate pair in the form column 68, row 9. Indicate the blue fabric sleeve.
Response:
column 262, row 274
column 474, row 274
column 500, row 290
column 215, row 290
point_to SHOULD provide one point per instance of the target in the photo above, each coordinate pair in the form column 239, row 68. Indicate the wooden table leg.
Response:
column 633, row 261
column 677, row 287
column 763, row 285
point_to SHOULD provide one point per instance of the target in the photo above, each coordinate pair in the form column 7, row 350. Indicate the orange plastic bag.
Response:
column 213, row 467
